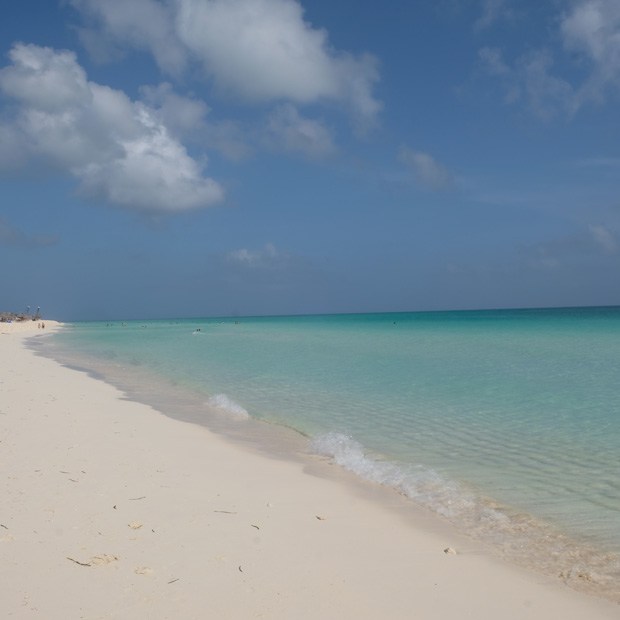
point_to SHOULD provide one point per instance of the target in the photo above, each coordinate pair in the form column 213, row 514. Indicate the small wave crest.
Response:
column 419, row 483
column 515, row 534
column 228, row 405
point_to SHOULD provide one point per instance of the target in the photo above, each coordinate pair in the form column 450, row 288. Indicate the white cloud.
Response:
column 119, row 150
column 531, row 80
column 257, row 50
column 144, row 24
column 262, row 49
column 547, row 95
column 187, row 118
column 493, row 62
column 493, row 11
column 266, row 256
column 181, row 115
column 590, row 33
column 427, row 170
column 287, row 130
column 603, row 238
column 154, row 173
column 592, row 29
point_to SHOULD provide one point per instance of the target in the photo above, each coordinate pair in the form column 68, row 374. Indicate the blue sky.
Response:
column 165, row 158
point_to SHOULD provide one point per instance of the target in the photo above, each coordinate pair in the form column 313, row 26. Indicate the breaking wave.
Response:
column 516, row 535
column 422, row 484
column 228, row 405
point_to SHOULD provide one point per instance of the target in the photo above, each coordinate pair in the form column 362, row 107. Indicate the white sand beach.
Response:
column 112, row 510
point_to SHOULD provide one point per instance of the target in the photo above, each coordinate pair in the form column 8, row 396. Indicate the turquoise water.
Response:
column 505, row 422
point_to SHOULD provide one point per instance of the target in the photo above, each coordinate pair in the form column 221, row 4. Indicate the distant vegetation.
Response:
column 8, row 317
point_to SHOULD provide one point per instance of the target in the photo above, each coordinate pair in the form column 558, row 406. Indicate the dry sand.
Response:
column 111, row 510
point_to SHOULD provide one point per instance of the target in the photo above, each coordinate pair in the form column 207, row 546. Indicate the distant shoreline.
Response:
column 28, row 325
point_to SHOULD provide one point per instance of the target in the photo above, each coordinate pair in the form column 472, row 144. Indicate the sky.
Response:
column 179, row 158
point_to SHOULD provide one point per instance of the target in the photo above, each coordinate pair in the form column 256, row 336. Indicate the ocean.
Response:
column 505, row 422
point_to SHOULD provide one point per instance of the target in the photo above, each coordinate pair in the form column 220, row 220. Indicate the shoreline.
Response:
column 141, row 515
column 502, row 529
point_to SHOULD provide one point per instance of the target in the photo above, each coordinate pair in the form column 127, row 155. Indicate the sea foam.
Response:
column 422, row 484
column 228, row 405
column 517, row 535
column 449, row 498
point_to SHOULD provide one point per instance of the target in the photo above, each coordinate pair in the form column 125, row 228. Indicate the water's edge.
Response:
column 498, row 529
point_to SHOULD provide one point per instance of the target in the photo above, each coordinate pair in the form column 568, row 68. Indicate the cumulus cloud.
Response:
column 288, row 130
column 262, row 49
column 118, row 149
column 426, row 169
column 147, row 25
column 285, row 128
column 183, row 116
column 187, row 118
column 592, row 30
column 256, row 50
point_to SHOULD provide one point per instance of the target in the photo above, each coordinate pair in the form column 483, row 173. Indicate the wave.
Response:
column 422, row 484
column 228, row 405
column 514, row 534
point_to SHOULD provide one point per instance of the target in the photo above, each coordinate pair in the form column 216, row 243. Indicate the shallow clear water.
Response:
column 505, row 422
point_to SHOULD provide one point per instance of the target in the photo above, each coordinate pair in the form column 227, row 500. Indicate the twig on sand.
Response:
column 226, row 512
column 173, row 580
column 78, row 562
column 133, row 499
column 4, row 526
